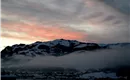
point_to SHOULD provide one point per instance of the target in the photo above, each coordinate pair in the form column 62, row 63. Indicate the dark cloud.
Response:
column 99, row 21
column 117, row 22
column 94, row 15
column 121, row 5
column 109, row 18
column 44, row 11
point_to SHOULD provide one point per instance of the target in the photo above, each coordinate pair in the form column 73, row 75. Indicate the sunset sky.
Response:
column 101, row 21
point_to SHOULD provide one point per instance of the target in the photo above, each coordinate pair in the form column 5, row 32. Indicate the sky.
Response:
column 100, row 21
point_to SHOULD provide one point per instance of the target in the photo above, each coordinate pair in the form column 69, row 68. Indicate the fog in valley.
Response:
column 106, row 58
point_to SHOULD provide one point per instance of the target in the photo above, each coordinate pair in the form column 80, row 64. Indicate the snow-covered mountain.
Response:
column 90, row 60
column 115, row 45
column 56, row 47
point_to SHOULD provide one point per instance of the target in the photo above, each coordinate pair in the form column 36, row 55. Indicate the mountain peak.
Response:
column 56, row 47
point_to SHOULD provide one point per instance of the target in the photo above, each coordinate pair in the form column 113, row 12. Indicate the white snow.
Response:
column 16, row 46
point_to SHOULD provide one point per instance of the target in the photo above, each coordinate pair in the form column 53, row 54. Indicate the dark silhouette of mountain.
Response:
column 56, row 47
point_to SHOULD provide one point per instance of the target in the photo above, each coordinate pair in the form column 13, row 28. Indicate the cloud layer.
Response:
column 109, row 58
column 84, row 20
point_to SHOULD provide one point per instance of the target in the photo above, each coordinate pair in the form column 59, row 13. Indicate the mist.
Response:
column 107, row 58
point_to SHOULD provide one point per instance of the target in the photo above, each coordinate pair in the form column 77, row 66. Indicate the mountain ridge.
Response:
column 56, row 47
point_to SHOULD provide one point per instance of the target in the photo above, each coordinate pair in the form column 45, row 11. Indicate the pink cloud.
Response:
column 41, row 31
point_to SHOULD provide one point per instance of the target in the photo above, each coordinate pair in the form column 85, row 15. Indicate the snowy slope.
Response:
column 56, row 47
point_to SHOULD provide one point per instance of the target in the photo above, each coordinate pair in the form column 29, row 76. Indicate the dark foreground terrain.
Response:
column 65, row 74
